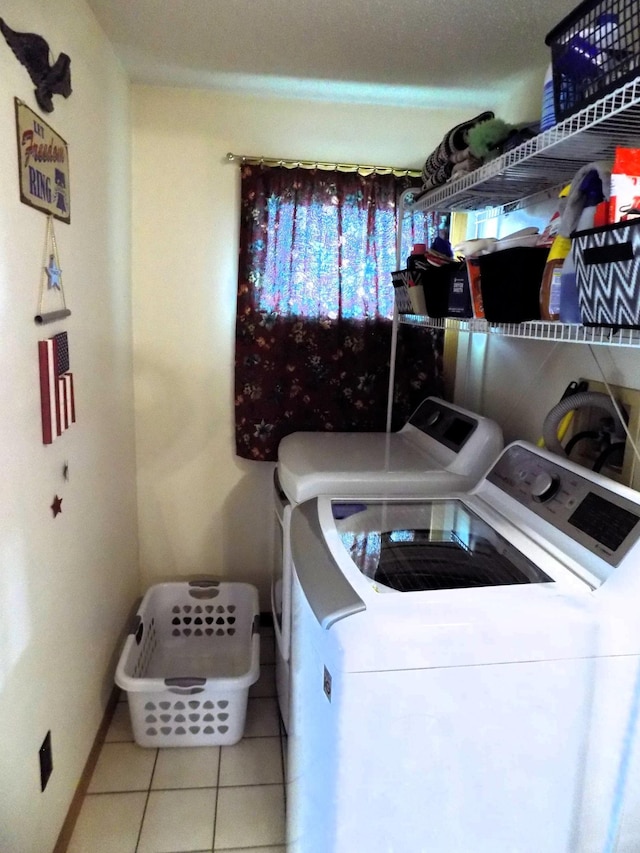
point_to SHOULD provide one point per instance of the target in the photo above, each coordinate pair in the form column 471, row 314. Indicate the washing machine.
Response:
column 441, row 448
column 465, row 668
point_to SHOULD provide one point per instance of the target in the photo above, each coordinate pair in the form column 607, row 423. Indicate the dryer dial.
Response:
column 433, row 418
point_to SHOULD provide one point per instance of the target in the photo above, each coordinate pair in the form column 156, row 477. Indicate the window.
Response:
column 315, row 302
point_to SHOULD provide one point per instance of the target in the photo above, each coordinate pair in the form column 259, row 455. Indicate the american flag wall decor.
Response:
column 57, row 400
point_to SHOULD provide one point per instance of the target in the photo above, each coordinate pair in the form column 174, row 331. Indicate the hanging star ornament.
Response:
column 53, row 272
column 51, row 302
column 56, row 506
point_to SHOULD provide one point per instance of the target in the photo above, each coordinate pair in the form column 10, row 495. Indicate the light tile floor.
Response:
column 194, row 799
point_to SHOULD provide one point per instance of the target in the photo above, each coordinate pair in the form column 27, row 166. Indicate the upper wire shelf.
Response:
column 548, row 160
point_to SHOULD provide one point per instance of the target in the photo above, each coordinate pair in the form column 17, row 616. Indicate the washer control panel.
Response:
column 598, row 517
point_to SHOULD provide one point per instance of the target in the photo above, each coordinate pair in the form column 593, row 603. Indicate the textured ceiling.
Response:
column 427, row 49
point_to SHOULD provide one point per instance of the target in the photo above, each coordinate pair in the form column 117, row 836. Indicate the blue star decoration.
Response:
column 53, row 272
column 56, row 506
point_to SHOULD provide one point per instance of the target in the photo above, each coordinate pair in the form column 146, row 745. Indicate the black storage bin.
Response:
column 436, row 282
column 607, row 262
column 510, row 283
column 459, row 302
column 594, row 50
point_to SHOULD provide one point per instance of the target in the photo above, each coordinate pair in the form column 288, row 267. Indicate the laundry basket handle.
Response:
column 186, row 685
column 204, row 588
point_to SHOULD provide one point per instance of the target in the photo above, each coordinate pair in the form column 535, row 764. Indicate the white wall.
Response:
column 521, row 380
column 66, row 584
column 202, row 509
column 518, row 381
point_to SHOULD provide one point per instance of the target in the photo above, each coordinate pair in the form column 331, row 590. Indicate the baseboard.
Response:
column 81, row 789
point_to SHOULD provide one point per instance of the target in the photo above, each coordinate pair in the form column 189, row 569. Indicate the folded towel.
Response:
column 438, row 167
column 465, row 168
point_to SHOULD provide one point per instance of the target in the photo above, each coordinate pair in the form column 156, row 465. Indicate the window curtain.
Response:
column 315, row 307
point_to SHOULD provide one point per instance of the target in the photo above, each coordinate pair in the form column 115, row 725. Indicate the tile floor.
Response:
column 190, row 800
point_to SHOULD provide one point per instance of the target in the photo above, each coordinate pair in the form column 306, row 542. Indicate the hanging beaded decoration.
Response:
column 51, row 289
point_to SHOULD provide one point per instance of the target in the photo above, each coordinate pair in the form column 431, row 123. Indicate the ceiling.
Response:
column 400, row 51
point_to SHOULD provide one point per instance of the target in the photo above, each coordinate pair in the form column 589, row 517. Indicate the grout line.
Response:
column 216, row 787
column 146, row 802
column 215, row 803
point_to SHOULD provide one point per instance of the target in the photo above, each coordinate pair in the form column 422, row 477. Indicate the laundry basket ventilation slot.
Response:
column 192, row 717
column 203, row 621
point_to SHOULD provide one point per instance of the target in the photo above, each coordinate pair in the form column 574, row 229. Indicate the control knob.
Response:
column 433, row 418
column 545, row 486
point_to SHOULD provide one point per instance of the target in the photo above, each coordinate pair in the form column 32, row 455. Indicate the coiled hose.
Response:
column 575, row 401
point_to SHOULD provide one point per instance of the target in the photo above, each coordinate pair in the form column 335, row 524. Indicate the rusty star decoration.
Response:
column 56, row 506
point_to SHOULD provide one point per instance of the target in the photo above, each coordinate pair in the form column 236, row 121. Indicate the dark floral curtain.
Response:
column 315, row 302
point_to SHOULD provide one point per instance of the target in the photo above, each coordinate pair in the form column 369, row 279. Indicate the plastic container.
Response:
column 594, row 50
column 552, row 278
column 548, row 106
column 188, row 662
column 569, row 302
column 625, row 184
column 591, row 189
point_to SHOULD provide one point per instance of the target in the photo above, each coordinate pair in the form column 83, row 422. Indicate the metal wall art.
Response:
column 33, row 52
column 43, row 164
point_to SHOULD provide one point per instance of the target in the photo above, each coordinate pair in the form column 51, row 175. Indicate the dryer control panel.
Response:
column 589, row 508
column 444, row 424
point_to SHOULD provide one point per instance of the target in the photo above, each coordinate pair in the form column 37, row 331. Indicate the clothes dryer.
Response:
column 441, row 448
column 465, row 669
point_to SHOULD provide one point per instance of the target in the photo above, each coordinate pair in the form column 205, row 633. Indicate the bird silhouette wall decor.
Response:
column 34, row 53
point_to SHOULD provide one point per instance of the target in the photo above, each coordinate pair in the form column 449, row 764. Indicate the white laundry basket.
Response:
column 188, row 662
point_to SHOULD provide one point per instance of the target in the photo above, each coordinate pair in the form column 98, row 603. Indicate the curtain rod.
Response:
column 329, row 167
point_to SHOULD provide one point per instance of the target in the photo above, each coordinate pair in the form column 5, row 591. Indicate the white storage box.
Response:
column 188, row 662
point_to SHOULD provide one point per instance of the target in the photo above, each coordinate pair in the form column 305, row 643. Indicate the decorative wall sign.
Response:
column 33, row 52
column 57, row 399
column 51, row 289
column 43, row 164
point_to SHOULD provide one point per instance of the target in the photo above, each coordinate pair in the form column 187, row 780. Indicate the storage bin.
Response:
column 436, row 282
column 459, row 303
column 510, row 283
column 400, row 280
column 594, row 50
column 188, row 662
column 607, row 263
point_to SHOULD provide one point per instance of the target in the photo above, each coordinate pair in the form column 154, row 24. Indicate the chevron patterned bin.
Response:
column 607, row 262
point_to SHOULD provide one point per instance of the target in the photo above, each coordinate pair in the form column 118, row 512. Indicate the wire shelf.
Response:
column 528, row 173
column 547, row 161
column 533, row 330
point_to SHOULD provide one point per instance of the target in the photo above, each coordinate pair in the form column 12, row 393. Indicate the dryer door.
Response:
column 281, row 570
